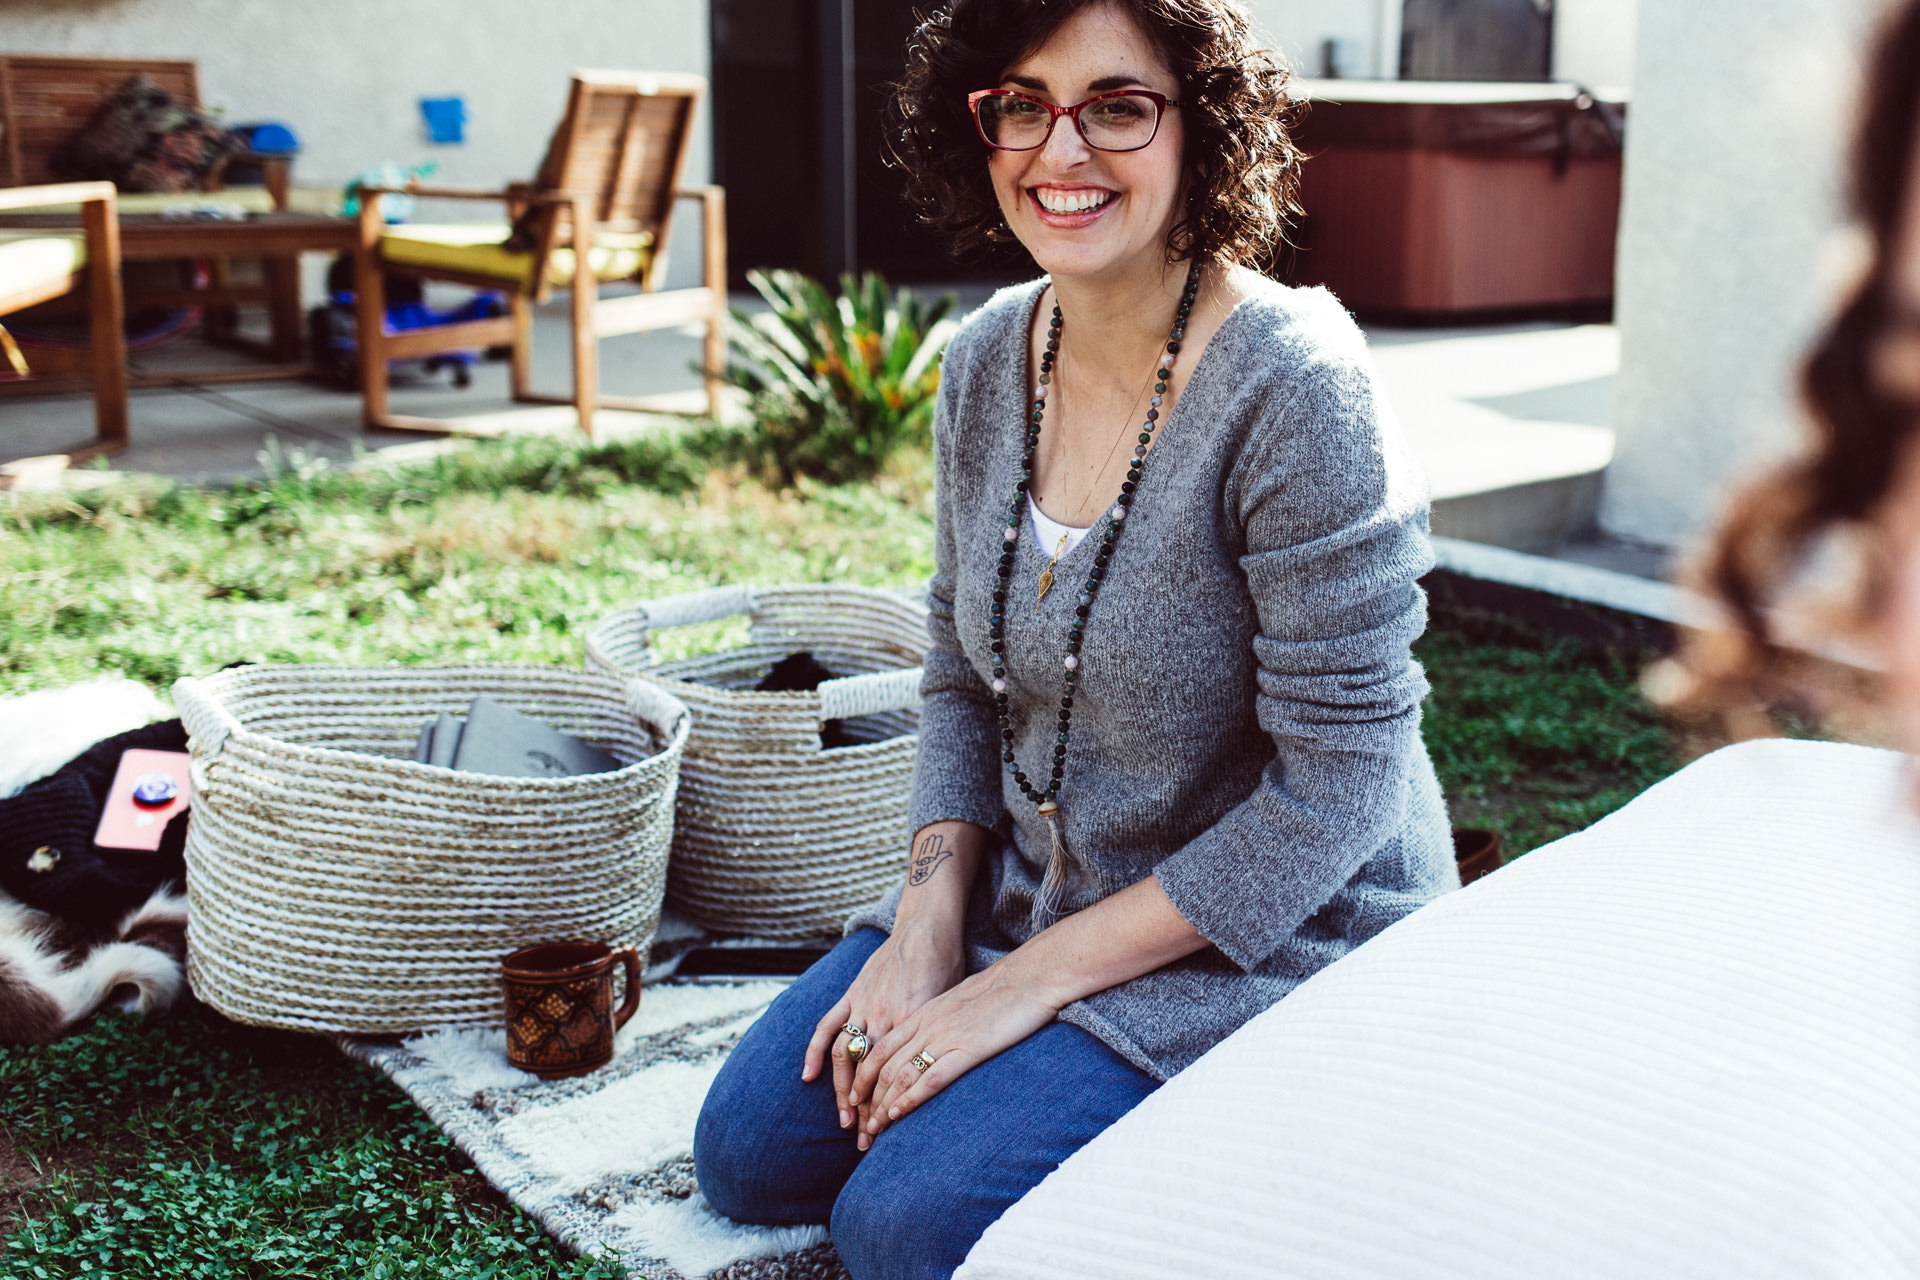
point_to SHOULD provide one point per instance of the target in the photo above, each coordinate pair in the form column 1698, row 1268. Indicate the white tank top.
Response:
column 1047, row 531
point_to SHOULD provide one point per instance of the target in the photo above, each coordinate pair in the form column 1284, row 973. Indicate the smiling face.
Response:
column 1081, row 212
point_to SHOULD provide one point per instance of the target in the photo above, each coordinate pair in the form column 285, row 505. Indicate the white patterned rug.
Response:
column 605, row 1161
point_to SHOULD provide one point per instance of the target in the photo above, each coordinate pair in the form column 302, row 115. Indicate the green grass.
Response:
column 1534, row 736
column 189, row 1146
column 193, row 1147
column 495, row 554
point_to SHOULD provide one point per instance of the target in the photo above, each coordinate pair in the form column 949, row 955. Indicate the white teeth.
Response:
column 1071, row 201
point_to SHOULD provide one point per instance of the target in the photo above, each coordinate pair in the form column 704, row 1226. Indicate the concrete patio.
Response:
column 1512, row 420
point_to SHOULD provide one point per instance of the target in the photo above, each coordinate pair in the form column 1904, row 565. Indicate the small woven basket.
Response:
column 776, row 835
column 334, row 884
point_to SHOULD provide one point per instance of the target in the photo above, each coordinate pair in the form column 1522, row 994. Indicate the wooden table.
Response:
column 277, row 239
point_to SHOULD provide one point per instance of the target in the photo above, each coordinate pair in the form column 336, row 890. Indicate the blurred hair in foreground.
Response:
column 1839, row 512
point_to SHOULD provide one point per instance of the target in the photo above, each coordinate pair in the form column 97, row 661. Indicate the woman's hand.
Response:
column 991, row 1011
column 914, row 965
column 1132, row 932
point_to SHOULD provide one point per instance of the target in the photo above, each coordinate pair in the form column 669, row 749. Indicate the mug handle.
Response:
column 630, row 1003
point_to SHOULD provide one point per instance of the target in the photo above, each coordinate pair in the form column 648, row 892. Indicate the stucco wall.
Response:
column 1593, row 42
column 348, row 74
column 1731, row 244
column 1296, row 28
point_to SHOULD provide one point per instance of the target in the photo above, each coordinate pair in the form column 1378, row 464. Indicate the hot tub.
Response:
column 1432, row 199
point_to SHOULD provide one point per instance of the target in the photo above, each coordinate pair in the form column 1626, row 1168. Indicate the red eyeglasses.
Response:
column 1125, row 120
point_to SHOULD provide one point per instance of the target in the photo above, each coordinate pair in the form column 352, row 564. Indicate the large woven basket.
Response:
column 776, row 835
column 334, row 884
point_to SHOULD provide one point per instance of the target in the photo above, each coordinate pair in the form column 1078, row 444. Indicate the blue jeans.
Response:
column 770, row 1150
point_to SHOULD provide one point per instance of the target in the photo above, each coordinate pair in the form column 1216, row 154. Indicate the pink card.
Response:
column 148, row 789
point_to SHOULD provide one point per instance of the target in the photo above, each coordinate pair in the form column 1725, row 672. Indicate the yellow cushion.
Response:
column 247, row 199
column 251, row 199
column 29, row 261
column 476, row 248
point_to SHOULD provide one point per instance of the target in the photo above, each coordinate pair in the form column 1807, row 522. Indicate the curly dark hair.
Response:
column 1860, row 429
column 1242, row 166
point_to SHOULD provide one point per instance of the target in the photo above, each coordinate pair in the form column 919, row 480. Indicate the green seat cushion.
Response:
column 477, row 248
column 29, row 261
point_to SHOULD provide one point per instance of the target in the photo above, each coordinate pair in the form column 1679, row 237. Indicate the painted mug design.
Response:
column 560, row 1014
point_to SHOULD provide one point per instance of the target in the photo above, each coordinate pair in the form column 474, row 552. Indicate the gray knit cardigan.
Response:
column 1247, row 723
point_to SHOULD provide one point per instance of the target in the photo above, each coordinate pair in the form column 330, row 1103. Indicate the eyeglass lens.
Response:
column 1123, row 122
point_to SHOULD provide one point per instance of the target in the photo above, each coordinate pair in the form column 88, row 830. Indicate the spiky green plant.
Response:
column 837, row 384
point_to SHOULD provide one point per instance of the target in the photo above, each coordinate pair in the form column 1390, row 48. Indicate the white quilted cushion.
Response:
column 1683, row 1043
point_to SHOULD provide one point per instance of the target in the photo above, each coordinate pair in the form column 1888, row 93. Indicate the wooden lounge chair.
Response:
column 36, row 267
column 45, row 100
column 605, row 195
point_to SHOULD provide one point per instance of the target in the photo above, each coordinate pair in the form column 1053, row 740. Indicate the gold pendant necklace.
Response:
column 1046, row 575
column 1065, row 874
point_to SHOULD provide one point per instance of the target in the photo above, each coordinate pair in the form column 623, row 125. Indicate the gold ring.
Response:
column 857, row 1045
column 923, row 1059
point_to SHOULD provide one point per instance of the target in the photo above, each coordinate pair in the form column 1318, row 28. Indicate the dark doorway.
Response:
column 773, row 154
column 891, row 241
column 1477, row 40
column 766, row 136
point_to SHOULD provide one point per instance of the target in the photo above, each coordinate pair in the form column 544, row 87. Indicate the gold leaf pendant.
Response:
column 1046, row 574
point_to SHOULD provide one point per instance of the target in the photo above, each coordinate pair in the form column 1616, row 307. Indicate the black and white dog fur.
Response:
column 51, row 981
column 52, row 977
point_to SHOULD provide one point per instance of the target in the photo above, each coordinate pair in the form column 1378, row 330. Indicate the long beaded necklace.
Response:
column 1060, row 866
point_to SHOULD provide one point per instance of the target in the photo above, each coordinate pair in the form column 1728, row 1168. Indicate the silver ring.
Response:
column 857, row 1044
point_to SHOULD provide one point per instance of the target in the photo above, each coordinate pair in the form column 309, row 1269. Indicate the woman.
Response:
column 1170, row 757
column 1862, row 383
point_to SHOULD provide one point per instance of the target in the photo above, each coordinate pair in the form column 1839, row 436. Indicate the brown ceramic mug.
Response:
column 560, row 1014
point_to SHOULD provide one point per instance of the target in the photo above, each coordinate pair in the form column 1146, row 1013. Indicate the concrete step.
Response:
column 1512, row 423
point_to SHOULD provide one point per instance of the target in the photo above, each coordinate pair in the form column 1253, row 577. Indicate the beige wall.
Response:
column 348, row 74
column 1731, row 244
column 1296, row 28
column 1593, row 42
column 1593, row 39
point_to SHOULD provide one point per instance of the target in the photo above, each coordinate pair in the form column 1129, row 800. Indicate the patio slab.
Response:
column 1512, row 421
column 205, row 434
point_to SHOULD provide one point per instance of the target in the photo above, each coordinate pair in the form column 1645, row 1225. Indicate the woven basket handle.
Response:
column 651, row 704
column 207, row 722
column 870, row 694
column 696, row 607
column 624, row 642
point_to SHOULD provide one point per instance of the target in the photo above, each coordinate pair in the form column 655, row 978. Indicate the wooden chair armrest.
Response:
column 440, row 193
column 371, row 222
column 513, row 192
column 713, row 218
column 58, row 193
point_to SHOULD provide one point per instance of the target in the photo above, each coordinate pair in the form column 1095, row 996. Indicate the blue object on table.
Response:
column 268, row 138
column 393, row 208
column 446, row 119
